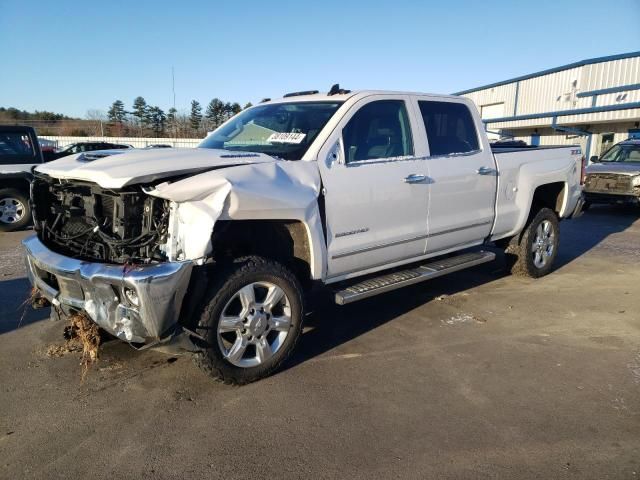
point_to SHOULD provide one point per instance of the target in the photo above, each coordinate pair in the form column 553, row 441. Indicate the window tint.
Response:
column 16, row 148
column 449, row 126
column 378, row 130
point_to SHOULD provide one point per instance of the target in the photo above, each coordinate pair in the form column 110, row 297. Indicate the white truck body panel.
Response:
column 519, row 177
column 144, row 166
column 365, row 227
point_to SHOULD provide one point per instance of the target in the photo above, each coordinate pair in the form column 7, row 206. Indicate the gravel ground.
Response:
column 475, row 375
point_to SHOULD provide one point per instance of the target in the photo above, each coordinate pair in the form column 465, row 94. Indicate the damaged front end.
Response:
column 612, row 187
column 103, row 252
column 86, row 221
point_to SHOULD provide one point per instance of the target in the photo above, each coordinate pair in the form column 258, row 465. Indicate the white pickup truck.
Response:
column 360, row 192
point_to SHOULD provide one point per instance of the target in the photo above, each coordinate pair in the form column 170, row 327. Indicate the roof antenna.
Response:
column 336, row 90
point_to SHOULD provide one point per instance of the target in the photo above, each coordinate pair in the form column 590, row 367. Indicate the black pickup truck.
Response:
column 19, row 151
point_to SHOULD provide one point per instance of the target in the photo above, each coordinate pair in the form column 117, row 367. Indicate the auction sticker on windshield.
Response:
column 285, row 137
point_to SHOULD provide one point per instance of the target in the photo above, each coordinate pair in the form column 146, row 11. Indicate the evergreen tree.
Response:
column 140, row 111
column 117, row 113
column 171, row 115
column 247, row 105
column 172, row 121
column 228, row 111
column 236, row 108
column 157, row 120
column 196, row 115
column 215, row 112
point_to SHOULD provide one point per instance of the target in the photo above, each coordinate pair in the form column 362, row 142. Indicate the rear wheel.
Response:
column 532, row 253
column 252, row 321
column 15, row 212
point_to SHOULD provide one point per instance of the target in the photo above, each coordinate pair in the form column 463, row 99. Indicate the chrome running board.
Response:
column 427, row 271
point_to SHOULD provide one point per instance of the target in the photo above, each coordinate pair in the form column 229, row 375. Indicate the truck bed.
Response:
column 526, row 148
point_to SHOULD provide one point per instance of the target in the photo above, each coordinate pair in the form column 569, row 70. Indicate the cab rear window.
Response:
column 16, row 148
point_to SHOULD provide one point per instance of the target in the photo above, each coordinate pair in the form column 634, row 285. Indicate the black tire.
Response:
column 520, row 251
column 230, row 280
column 10, row 223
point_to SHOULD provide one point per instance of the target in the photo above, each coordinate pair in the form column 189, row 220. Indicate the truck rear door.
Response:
column 463, row 174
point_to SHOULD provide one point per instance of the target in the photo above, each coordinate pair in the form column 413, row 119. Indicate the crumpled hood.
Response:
column 619, row 168
column 143, row 166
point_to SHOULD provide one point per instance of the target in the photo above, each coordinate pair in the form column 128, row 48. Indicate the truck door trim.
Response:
column 412, row 239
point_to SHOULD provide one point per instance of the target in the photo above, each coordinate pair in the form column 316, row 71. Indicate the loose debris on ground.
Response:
column 34, row 300
column 463, row 318
column 82, row 336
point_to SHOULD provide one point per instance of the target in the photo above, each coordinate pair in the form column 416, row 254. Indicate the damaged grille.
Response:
column 609, row 183
column 86, row 221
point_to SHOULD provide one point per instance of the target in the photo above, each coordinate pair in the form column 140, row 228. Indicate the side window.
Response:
column 16, row 148
column 380, row 129
column 449, row 126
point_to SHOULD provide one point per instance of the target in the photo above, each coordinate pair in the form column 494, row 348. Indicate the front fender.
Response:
column 270, row 191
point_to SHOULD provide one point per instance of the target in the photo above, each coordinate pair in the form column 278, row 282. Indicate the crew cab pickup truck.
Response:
column 19, row 152
column 217, row 247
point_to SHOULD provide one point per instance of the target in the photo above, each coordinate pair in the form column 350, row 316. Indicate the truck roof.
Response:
column 325, row 97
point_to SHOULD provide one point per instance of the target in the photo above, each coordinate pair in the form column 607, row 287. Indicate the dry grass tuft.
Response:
column 88, row 334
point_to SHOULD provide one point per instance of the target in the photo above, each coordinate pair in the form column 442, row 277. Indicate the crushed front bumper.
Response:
column 136, row 303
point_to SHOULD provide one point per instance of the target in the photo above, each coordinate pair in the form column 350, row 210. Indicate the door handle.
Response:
column 486, row 171
column 415, row 178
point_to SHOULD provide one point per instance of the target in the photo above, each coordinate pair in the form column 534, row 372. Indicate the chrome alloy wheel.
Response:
column 254, row 324
column 11, row 210
column 543, row 244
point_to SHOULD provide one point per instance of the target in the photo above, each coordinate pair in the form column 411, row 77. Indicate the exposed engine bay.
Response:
column 85, row 221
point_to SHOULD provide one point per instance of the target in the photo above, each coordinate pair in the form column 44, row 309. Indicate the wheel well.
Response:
column 15, row 182
column 550, row 196
column 283, row 240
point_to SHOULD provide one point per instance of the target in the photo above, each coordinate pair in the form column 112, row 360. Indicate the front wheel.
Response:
column 15, row 212
column 252, row 321
column 532, row 253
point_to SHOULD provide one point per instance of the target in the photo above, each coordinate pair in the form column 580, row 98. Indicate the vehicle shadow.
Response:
column 15, row 305
column 581, row 235
column 333, row 325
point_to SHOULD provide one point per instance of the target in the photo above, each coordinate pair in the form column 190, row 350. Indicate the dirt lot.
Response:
column 476, row 375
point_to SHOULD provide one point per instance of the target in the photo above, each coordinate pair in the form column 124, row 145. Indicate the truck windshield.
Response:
column 622, row 153
column 284, row 130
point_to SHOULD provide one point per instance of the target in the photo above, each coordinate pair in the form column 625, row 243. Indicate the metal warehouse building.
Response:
column 595, row 103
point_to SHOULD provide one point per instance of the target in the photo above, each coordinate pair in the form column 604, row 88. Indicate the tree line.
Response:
column 149, row 120
column 12, row 113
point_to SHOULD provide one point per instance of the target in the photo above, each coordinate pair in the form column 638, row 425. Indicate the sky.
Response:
column 73, row 56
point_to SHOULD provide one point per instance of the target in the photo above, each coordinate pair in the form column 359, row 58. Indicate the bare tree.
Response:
column 97, row 118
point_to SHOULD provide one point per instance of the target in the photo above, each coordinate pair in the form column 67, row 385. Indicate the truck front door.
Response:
column 376, row 189
column 463, row 175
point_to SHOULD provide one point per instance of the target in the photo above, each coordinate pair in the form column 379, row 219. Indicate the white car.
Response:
column 359, row 192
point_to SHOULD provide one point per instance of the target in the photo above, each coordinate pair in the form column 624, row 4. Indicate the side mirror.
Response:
column 335, row 154
column 594, row 159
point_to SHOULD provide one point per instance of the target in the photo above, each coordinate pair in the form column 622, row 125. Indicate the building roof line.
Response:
column 581, row 63
column 604, row 91
column 564, row 113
